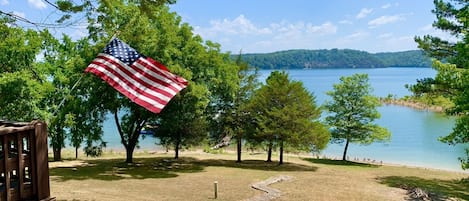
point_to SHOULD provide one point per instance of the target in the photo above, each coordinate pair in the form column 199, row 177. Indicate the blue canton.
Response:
column 122, row 51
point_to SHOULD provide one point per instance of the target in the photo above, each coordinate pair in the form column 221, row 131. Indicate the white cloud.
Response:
column 345, row 22
column 326, row 28
column 430, row 30
column 398, row 44
column 37, row 4
column 385, row 20
column 426, row 28
column 20, row 14
column 385, row 35
column 243, row 27
column 386, row 6
column 241, row 33
column 240, row 25
column 355, row 40
column 363, row 13
column 4, row 2
column 356, row 35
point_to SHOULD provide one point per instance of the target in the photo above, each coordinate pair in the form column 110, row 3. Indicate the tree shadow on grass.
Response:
column 340, row 162
column 437, row 188
column 116, row 169
column 159, row 167
column 256, row 165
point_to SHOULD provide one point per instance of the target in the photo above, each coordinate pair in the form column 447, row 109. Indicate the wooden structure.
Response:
column 24, row 168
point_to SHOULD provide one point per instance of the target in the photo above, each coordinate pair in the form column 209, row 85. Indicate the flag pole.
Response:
column 78, row 81
column 63, row 100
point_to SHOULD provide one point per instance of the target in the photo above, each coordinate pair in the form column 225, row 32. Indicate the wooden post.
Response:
column 215, row 186
column 42, row 170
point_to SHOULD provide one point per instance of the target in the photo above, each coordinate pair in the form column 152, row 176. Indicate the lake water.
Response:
column 415, row 133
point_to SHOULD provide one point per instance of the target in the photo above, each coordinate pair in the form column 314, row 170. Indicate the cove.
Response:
column 415, row 133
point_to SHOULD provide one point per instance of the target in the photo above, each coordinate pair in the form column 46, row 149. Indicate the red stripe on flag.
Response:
column 125, row 85
column 112, row 67
column 139, row 76
column 160, row 67
column 115, row 84
column 146, row 81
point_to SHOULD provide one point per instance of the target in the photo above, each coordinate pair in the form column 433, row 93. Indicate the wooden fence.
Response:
column 24, row 168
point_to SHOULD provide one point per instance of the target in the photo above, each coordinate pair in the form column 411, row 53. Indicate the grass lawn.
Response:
column 159, row 177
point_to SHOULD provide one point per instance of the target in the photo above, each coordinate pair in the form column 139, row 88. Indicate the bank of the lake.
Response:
column 412, row 104
column 415, row 133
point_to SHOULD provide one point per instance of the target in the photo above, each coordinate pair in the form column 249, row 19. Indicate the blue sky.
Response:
column 259, row 26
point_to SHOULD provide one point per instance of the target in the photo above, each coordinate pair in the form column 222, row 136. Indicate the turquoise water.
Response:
column 415, row 133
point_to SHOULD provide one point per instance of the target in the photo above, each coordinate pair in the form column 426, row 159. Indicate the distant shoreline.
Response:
column 413, row 104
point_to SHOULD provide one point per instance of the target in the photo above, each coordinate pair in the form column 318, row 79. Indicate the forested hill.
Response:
column 335, row 58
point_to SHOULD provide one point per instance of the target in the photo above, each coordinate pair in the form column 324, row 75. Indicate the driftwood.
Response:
column 418, row 194
column 223, row 143
column 270, row 193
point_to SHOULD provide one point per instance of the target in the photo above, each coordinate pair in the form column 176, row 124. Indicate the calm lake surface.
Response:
column 415, row 133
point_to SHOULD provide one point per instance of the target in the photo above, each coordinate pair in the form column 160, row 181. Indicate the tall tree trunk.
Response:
column 176, row 150
column 281, row 153
column 57, row 153
column 176, row 146
column 269, row 152
column 57, row 143
column 129, row 153
column 132, row 139
column 76, row 152
column 344, row 157
column 238, row 148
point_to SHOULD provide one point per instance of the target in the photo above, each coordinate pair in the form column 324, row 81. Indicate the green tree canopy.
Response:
column 452, row 64
column 233, row 119
column 286, row 114
column 22, row 86
column 352, row 112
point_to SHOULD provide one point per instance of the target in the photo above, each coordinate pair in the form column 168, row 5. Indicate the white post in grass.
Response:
column 215, row 186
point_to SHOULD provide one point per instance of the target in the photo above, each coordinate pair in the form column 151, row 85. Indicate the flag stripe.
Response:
column 115, row 68
column 126, row 85
column 151, row 66
column 157, row 77
column 123, row 87
column 160, row 67
column 145, row 102
column 135, row 73
column 142, row 79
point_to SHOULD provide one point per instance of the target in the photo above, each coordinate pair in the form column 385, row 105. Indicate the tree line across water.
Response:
column 336, row 58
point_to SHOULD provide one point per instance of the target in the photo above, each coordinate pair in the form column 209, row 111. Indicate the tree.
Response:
column 183, row 123
column 286, row 114
column 452, row 64
column 352, row 112
column 233, row 120
column 240, row 116
column 22, row 87
column 72, row 113
column 158, row 33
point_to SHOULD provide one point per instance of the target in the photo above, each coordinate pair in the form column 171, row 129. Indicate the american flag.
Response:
column 142, row 79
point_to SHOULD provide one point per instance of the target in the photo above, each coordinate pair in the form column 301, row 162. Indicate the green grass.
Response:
column 159, row 177
column 160, row 167
column 443, row 189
